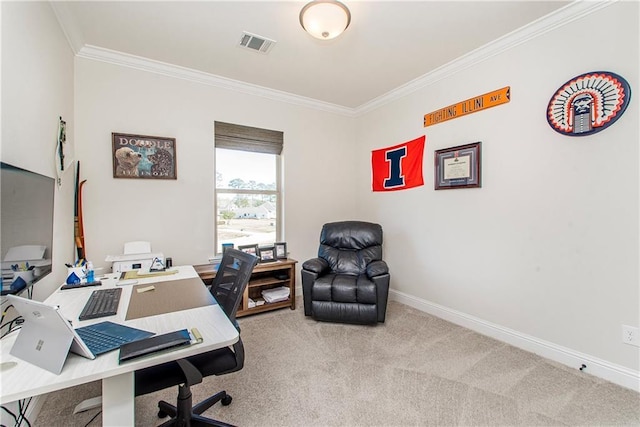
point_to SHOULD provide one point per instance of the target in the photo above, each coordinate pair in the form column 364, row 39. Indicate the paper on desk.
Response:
column 140, row 274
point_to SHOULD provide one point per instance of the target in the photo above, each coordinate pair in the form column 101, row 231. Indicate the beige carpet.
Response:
column 414, row 370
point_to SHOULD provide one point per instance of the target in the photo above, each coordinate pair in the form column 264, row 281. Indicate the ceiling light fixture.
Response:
column 325, row 19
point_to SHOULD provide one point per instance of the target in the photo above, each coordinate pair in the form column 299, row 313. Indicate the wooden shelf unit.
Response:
column 263, row 277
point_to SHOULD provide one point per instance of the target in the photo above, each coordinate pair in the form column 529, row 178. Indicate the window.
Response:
column 247, row 187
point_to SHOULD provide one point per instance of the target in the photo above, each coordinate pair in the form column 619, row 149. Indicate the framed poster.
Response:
column 144, row 157
column 458, row 167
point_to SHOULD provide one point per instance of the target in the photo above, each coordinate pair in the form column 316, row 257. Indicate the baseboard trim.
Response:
column 616, row 374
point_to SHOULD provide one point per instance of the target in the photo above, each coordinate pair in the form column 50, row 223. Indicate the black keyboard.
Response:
column 102, row 302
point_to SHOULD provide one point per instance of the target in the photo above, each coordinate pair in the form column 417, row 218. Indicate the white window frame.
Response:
column 244, row 138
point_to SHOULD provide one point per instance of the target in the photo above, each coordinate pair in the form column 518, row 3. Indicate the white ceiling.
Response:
column 388, row 44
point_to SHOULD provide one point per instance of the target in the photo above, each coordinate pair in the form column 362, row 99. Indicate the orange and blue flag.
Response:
column 398, row 167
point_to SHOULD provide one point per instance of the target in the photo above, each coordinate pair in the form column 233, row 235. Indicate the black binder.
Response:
column 154, row 344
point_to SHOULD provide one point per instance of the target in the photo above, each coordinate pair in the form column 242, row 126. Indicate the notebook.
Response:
column 46, row 337
column 154, row 344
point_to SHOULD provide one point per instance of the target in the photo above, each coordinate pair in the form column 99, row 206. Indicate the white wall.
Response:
column 37, row 88
column 177, row 216
column 548, row 247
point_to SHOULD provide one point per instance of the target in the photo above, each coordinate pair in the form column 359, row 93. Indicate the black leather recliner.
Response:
column 348, row 281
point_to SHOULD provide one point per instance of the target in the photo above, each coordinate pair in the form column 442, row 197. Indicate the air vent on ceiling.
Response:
column 256, row 43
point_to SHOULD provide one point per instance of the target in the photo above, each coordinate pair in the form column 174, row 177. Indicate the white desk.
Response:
column 25, row 379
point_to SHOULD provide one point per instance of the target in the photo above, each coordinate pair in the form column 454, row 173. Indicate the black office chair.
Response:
column 228, row 286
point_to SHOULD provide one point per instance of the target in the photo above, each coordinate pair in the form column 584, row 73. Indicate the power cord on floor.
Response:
column 15, row 419
column 23, row 405
column 22, row 411
column 94, row 417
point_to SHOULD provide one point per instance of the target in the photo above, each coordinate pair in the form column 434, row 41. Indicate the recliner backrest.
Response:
column 349, row 246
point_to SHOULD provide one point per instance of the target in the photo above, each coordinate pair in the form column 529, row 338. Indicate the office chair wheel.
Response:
column 165, row 409
column 226, row 401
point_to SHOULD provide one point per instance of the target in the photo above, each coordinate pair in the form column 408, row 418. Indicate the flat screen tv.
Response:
column 26, row 220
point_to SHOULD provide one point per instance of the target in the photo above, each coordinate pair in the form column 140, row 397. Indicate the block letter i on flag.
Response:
column 398, row 167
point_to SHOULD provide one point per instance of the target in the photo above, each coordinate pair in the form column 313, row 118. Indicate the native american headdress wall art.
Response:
column 588, row 103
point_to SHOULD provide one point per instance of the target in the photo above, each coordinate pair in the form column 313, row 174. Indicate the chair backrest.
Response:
column 231, row 280
column 349, row 246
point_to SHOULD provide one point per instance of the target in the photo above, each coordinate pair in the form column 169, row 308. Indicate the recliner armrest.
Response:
column 377, row 268
column 316, row 265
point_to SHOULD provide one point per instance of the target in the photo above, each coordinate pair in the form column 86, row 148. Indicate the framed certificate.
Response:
column 458, row 167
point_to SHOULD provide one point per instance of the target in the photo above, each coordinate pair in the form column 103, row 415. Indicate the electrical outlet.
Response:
column 630, row 335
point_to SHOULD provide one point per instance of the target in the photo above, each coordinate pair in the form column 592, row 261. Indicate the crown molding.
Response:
column 556, row 19
column 69, row 26
column 176, row 71
column 559, row 18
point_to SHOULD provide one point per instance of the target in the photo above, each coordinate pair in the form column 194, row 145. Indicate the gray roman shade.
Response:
column 246, row 138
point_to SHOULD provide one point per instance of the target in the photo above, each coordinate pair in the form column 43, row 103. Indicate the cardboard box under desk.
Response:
column 167, row 297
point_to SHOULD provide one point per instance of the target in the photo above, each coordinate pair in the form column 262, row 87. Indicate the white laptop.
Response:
column 46, row 336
